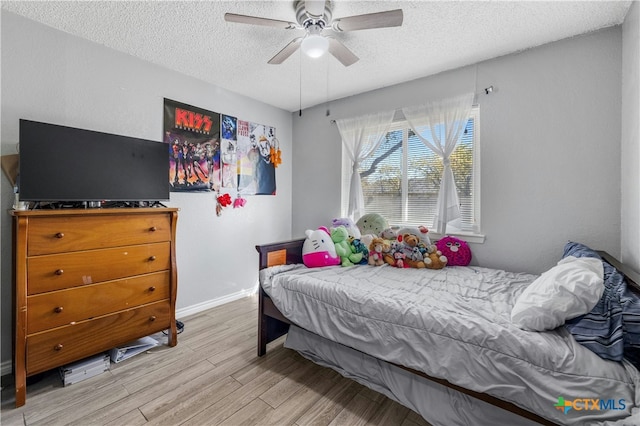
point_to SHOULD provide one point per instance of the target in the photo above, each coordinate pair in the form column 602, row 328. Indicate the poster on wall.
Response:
column 256, row 172
column 228, row 152
column 193, row 136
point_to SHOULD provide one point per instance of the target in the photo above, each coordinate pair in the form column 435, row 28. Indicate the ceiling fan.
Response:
column 315, row 16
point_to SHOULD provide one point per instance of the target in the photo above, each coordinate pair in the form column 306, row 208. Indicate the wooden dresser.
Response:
column 88, row 280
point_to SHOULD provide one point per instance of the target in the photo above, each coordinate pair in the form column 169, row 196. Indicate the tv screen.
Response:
column 59, row 163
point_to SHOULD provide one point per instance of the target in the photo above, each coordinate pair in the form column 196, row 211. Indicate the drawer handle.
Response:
column 58, row 347
column 59, row 271
column 152, row 258
column 153, row 229
column 60, row 235
column 58, row 309
column 152, row 288
column 152, row 318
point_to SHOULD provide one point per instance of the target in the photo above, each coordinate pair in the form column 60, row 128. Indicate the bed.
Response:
column 451, row 363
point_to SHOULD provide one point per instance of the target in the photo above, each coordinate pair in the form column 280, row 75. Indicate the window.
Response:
column 402, row 178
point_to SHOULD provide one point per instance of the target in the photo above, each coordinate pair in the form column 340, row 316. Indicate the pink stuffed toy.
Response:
column 318, row 249
column 456, row 251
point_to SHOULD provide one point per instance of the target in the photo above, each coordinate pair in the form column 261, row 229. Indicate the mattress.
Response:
column 454, row 323
column 438, row 404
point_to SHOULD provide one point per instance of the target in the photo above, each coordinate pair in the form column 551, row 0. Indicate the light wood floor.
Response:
column 212, row 377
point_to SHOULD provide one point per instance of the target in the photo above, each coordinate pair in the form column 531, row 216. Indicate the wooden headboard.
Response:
column 631, row 276
column 282, row 253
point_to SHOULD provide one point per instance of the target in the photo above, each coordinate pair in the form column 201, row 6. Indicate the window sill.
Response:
column 469, row 237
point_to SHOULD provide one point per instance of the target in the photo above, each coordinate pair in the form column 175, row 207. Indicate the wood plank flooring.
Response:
column 212, row 377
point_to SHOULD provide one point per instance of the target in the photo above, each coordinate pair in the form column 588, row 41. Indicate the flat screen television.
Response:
column 65, row 164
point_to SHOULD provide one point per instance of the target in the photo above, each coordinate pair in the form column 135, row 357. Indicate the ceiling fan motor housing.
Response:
column 306, row 20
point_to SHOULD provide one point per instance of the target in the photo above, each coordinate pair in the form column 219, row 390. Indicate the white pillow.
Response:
column 569, row 289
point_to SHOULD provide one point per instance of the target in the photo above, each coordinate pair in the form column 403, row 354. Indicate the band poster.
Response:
column 193, row 135
column 209, row 151
column 228, row 152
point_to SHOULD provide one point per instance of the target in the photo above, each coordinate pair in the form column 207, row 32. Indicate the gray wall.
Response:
column 550, row 149
column 48, row 75
column 630, row 235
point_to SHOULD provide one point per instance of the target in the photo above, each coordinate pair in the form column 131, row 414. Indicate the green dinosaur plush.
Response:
column 340, row 238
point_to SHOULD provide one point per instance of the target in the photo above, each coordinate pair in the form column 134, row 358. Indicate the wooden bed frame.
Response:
column 272, row 324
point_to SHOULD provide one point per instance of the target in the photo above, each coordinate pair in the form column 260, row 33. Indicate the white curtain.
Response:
column 440, row 125
column 361, row 136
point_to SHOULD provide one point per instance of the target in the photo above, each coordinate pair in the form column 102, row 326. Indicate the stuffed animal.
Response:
column 372, row 223
column 340, row 238
column 456, row 251
column 358, row 247
column 377, row 249
column 389, row 234
column 434, row 259
column 399, row 258
column 390, row 256
column 354, row 232
column 366, row 239
column 318, row 249
column 407, row 249
column 409, row 246
column 418, row 231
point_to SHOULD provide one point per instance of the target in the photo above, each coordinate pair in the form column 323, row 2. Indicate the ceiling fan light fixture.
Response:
column 315, row 45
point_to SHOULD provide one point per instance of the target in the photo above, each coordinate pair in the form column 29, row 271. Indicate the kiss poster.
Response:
column 193, row 136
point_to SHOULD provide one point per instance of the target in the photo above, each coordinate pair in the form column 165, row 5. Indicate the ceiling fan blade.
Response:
column 314, row 8
column 288, row 50
column 341, row 52
column 390, row 18
column 254, row 20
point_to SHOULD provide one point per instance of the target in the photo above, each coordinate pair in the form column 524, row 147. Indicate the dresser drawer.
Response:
column 66, row 344
column 54, row 309
column 62, row 234
column 59, row 271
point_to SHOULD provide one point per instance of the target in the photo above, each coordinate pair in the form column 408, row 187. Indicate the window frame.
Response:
column 475, row 235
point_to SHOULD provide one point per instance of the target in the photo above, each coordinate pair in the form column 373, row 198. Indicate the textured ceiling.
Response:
column 191, row 37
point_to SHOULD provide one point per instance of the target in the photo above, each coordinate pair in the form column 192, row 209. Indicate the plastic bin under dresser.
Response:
column 86, row 281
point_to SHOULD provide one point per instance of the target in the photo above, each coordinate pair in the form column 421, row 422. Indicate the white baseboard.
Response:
column 7, row 368
column 203, row 306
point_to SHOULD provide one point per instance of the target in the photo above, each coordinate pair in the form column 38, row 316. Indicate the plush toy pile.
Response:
column 372, row 241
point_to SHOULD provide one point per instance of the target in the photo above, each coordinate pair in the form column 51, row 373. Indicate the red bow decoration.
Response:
column 224, row 200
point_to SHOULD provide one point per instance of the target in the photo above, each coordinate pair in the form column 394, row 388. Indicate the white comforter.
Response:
column 454, row 324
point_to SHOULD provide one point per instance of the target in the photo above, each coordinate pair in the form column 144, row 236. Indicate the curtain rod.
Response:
column 486, row 90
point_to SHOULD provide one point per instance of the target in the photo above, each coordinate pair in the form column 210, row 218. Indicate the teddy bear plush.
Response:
column 410, row 248
column 340, row 238
column 419, row 231
column 377, row 249
column 434, row 259
column 456, row 251
column 406, row 251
